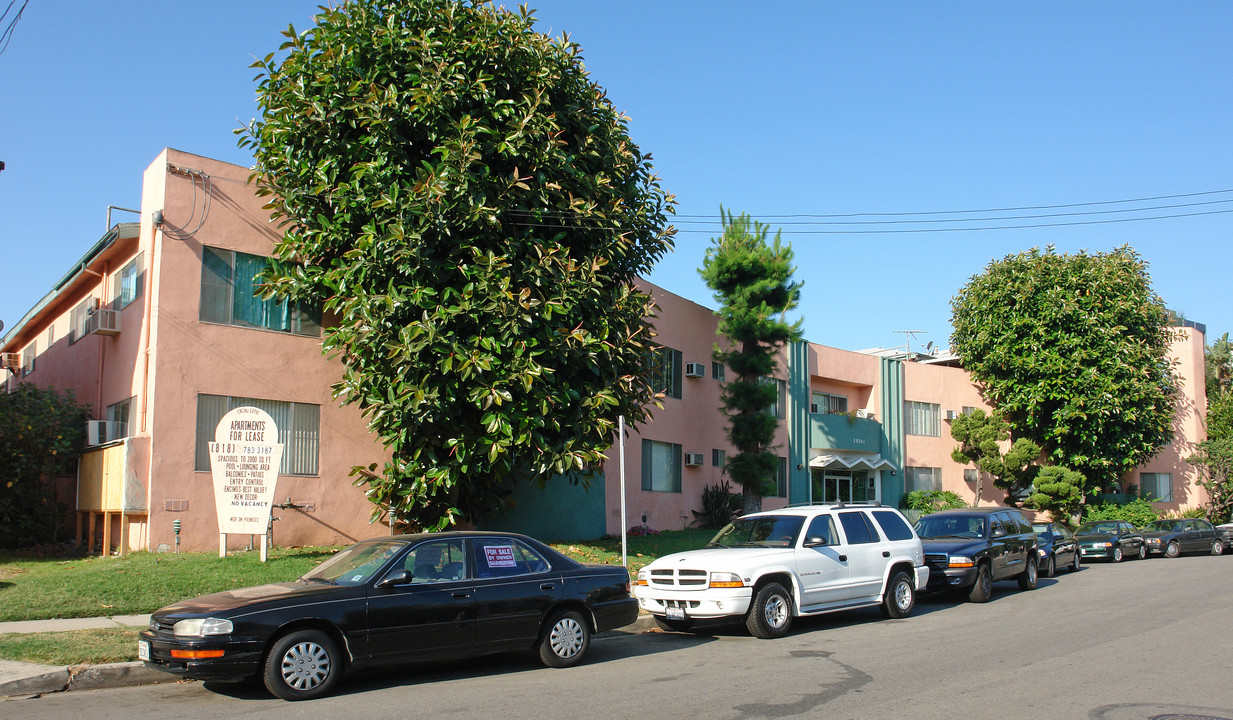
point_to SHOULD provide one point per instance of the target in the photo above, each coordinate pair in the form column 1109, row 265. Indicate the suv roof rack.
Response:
column 838, row 503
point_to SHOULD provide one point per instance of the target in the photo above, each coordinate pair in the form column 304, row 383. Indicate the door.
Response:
column 431, row 616
column 824, row 577
column 866, row 554
column 514, row 589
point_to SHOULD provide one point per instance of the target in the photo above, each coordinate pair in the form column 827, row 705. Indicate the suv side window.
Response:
column 892, row 524
column 1025, row 527
column 856, row 528
column 822, row 527
column 996, row 523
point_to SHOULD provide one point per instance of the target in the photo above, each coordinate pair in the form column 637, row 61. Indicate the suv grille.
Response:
column 937, row 560
column 677, row 578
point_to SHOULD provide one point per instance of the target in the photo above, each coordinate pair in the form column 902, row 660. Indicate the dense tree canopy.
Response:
column 752, row 281
column 40, row 431
column 1073, row 351
column 469, row 210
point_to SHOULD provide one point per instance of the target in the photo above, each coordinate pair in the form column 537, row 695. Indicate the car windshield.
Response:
column 354, row 565
column 951, row 526
column 1097, row 529
column 1165, row 526
column 762, row 531
column 1041, row 529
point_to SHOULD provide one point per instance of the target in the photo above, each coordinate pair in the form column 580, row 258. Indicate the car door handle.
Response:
column 886, row 553
column 546, row 586
column 461, row 595
column 843, row 558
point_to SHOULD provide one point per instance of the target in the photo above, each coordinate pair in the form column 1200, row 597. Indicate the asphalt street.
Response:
column 1143, row 639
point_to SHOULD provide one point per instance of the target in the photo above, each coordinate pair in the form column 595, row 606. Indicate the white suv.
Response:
column 771, row 566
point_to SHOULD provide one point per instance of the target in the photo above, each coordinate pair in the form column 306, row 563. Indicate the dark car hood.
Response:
column 250, row 596
column 952, row 546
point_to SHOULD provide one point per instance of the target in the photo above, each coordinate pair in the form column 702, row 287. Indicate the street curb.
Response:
column 97, row 677
column 83, row 677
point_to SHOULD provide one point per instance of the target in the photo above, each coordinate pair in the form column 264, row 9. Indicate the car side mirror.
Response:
column 815, row 542
column 999, row 532
column 397, row 577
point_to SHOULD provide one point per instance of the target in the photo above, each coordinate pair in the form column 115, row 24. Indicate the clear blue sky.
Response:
column 793, row 108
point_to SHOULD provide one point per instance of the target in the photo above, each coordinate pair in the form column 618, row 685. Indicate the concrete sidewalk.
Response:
column 18, row 679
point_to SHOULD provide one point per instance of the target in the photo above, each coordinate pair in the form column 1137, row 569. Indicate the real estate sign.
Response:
column 244, row 460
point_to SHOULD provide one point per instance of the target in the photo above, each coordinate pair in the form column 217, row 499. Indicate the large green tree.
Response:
column 1073, row 351
column 752, row 281
column 468, row 208
column 41, row 430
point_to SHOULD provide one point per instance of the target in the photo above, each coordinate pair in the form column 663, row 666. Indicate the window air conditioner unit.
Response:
column 695, row 370
column 99, row 432
column 693, row 459
column 10, row 361
column 103, row 322
column 952, row 414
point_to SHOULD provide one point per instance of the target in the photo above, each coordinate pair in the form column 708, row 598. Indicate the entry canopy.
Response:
column 850, row 462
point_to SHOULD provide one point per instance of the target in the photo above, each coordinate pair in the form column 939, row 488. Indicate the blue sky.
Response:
column 792, row 108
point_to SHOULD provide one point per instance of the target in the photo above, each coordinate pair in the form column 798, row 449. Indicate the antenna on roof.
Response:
column 909, row 336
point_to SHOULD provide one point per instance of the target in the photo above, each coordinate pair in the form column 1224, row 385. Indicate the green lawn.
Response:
column 35, row 587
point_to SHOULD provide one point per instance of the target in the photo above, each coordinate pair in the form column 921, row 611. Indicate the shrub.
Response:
column 931, row 501
column 1138, row 512
column 719, row 506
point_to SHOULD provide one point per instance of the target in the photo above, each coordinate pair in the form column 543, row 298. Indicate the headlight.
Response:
column 1104, row 544
column 1153, row 541
column 726, row 580
column 960, row 561
column 200, row 627
column 1043, row 553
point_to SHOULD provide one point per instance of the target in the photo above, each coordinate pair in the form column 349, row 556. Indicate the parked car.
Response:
column 1056, row 547
column 393, row 600
column 767, row 568
column 1226, row 534
column 970, row 548
column 1171, row 538
column 1113, row 540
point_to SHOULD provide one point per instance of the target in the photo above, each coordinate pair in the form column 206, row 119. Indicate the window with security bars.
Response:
column 299, row 430
column 921, row 418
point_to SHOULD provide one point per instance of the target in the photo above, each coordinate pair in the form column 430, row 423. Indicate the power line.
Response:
column 7, row 34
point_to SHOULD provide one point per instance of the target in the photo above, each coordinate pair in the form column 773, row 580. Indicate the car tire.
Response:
column 1049, row 568
column 982, row 589
column 1217, row 547
column 664, row 623
column 1028, row 578
column 1173, row 549
column 565, row 640
column 1142, row 552
column 900, row 597
column 1077, row 562
column 302, row 665
column 1117, row 554
column 770, row 614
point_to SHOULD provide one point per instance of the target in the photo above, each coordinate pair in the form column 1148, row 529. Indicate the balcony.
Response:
column 840, row 432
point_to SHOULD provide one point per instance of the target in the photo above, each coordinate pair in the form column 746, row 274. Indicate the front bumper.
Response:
column 706, row 604
column 1105, row 553
column 949, row 578
column 241, row 659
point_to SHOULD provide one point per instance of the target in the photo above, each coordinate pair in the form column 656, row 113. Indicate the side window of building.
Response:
column 781, row 477
column 299, row 430
column 1157, row 485
column 780, row 407
column 921, row 418
column 661, row 466
column 77, row 319
column 128, row 283
column 922, row 478
column 664, row 367
column 718, row 370
column 27, row 358
column 893, row 525
column 856, row 528
column 228, row 296
column 822, row 528
column 719, row 458
column 825, row 403
column 117, row 415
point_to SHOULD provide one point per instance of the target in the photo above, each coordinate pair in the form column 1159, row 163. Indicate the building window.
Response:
column 825, row 403
column 922, row 478
column 1158, row 486
column 661, row 466
column 77, row 320
column 299, row 430
column 27, row 358
column 718, row 370
column 968, row 409
column 51, row 335
column 117, row 417
column 780, row 408
column 971, row 475
column 228, row 286
column 664, row 371
column 719, row 458
column 922, row 419
column 126, row 287
column 781, row 478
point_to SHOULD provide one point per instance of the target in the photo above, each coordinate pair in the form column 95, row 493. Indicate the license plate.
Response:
column 143, row 650
column 676, row 613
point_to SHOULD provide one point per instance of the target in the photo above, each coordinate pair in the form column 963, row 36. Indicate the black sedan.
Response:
column 1174, row 537
column 1057, row 547
column 1110, row 539
column 392, row 600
